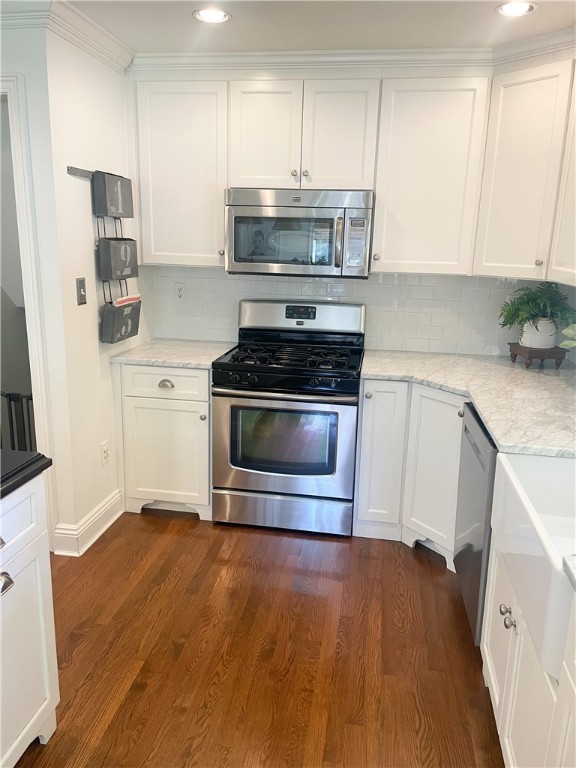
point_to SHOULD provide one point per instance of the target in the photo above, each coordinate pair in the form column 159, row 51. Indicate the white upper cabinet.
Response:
column 562, row 267
column 429, row 166
column 181, row 137
column 524, row 150
column 316, row 134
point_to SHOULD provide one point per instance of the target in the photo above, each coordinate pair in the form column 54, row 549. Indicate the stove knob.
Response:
column 234, row 378
column 314, row 382
column 252, row 378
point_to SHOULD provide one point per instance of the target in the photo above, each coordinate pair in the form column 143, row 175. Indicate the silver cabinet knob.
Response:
column 165, row 384
column 294, row 173
column 220, row 253
column 461, row 414
column 376, row 257
column 305, row 173
column 202, row 417
column 368, row 395
column 538, row 262
column 509, row 623
column 6, row 582
column 2, row 543
column 504, row 609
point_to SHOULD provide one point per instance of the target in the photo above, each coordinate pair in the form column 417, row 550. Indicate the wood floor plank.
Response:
column 182, row 643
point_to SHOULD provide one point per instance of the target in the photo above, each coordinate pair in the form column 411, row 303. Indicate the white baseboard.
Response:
column 74, row 540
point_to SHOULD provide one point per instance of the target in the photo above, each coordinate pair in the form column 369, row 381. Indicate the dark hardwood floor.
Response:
column 181, row 643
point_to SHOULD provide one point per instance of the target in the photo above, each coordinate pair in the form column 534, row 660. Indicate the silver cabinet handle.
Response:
column 220, row 253
column 165, row 384
column 461, row 414
column 368, row 395
column 7, row 582
column 2, row 543
column 202, row 417
column 509, row 623
column 538, row 262
column 305, row 173
column 504, row 609
column 294, row 173
column 376, row 257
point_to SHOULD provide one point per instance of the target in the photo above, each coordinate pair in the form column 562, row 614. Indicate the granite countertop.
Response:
column 174, row 353
column 525, row 410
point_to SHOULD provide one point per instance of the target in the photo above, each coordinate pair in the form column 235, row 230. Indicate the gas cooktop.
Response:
column 295, row 347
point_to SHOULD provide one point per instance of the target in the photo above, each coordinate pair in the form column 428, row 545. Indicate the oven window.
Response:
column 284, row 240
column 285, row 442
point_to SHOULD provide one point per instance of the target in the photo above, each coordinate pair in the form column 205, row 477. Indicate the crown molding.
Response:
column 72, row 25
column 555, row 42
column 454, row 57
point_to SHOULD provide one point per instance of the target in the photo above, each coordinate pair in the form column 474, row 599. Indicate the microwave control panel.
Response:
column 356, row 242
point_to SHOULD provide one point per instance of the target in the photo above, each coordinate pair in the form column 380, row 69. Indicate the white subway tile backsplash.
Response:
column 443, row 347
column 435, row 313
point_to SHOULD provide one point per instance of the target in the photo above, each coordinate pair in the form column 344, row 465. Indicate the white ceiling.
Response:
column 167, row 26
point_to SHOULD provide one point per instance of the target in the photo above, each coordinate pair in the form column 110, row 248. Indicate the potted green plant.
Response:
column 538, row 311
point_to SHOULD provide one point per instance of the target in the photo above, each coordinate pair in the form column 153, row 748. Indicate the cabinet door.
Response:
column 340, row 121
column 532, row 698
column 498, row 644
column 524, row 148
column 265, row 133
column 563, row 255
column 166, row 450
column 432, row 463
column 429, row 166
column 381, row 451
column 181, row 135
column 28, row 671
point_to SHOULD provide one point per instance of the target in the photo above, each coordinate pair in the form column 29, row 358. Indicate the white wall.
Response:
column 75, row 116
column 416, row 313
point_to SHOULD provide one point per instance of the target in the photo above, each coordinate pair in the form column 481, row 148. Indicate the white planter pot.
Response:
column 543, row 337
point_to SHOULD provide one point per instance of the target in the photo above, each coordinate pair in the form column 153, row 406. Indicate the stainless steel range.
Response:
column 285, row 407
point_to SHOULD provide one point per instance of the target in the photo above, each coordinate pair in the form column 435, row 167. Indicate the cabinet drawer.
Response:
column 22, row 517
column 168, row 383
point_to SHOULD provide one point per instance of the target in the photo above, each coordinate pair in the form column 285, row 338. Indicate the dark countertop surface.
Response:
column 18, row 467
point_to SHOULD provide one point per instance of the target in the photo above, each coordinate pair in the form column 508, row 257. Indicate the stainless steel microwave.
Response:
column 314, row 233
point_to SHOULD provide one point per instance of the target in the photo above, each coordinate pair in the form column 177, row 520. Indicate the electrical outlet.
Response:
column 104, row 452
column 180, row 291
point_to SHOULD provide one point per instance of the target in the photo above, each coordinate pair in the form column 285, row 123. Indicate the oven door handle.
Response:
column 256, row 395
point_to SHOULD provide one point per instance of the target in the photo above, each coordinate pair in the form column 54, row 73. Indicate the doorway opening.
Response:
column 17, row 413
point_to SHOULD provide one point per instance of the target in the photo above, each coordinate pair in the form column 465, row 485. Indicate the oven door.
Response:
column 284, row 444
column 284, row 241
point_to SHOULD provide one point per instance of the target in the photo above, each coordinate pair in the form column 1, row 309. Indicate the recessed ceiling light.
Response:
column 516, row 9
column 212, row 15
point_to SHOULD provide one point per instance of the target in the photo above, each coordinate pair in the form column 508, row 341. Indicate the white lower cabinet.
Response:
column 381, row 458
column 28, row 667
column 562, row 742
column 432, row 465
column 523, row 695
column 166, row 437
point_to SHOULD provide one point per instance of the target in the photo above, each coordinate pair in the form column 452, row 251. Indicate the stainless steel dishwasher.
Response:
column 473, row 512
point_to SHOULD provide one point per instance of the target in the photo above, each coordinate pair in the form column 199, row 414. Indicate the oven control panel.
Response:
column 300, row 312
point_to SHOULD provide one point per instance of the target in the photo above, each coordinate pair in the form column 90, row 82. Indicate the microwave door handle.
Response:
column 339, row 242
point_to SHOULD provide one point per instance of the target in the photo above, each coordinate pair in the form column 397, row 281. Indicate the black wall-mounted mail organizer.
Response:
column 116, row 257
